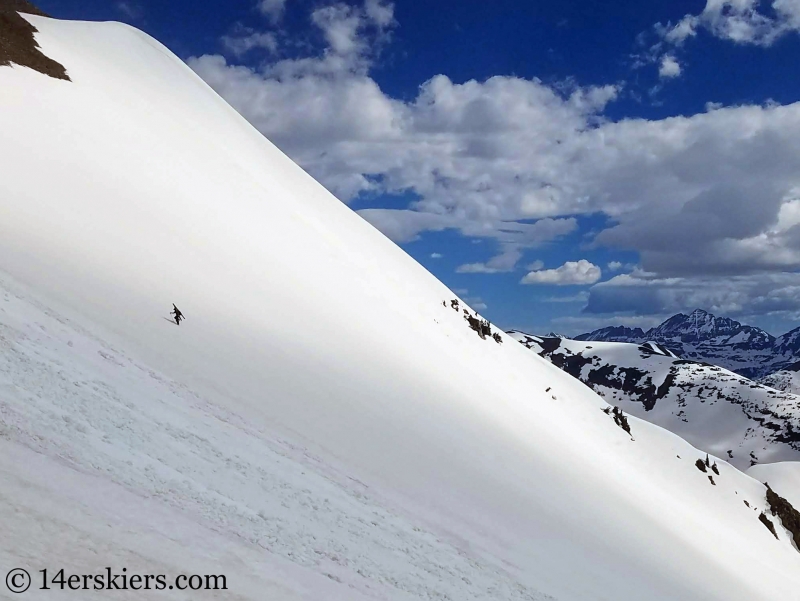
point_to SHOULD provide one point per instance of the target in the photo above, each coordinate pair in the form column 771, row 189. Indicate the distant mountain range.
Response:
column 701, row 336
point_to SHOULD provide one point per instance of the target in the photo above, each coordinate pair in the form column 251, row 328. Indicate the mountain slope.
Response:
column 613, row 334
column 787, row 379
column 320, row 426
column 711, row 407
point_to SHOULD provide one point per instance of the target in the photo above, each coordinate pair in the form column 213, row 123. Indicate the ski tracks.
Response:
column 70, row 396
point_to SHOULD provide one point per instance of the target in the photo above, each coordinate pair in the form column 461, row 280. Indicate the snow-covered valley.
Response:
column 324, row 424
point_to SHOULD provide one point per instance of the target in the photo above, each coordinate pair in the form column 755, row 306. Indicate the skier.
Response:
column 177, row 313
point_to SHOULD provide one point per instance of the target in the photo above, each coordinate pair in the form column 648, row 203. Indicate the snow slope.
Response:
column 787, row 380
column 713, row 408
column 784, row 478
column 320, row 426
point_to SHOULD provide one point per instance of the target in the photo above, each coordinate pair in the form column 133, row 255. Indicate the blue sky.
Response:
column 562, row 165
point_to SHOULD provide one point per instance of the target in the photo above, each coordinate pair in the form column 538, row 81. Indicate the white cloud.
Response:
column 132, row 10
column 436, row 256
column 272, row 9
column 239, row 45
column 739, row 21
column 581, row 297
column 405, row 226
column 535, row 266
column 477, row 268
column 379, row 12
column 745, row 22
column 340, row 24
column 511, row 161
column 502, row 263
column 685, row 29
column 464, row 150
column 618, row 266
column 476, row 302
column 570, row 273
column 647, row 294
column 516, row 238
column 670, row 68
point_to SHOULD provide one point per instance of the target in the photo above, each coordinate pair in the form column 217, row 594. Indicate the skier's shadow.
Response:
column 172, row 321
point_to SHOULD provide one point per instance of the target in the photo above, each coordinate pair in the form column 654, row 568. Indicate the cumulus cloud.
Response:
column 669, row 68
column 723, row 230
column 272, row 9
column 243, row 42
column 615, row 266
column 515, row 239
column 581, row 297
column 643, row 294
column 744, row 22
column 405, row 226
column 570, row 273
column 739, row 21
column 513, row 161
column 478, row 268
column 436, row 256
column 685, row 28
column 454, row 145
column 476, row 303
column 501, row 263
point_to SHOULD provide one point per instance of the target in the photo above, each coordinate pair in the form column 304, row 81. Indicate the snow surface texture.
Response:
column 320, row 426
column 68, row 396
column 713, row 408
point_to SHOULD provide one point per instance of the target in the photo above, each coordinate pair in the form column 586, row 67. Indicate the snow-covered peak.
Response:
column 788, row 343
column 614, row 334
column 701, row 336
column 701, row 326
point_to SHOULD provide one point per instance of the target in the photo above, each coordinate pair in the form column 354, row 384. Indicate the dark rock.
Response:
column 790, row 517
column 768, row 523
column 18, row 44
